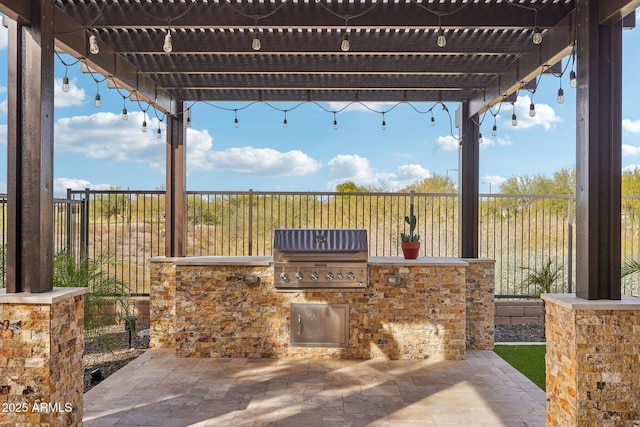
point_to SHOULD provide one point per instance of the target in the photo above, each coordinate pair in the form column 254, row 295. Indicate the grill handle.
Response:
column 299, row 324
column 324, row 256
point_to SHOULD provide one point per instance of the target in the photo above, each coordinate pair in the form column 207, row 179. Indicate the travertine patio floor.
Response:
column 159, row 389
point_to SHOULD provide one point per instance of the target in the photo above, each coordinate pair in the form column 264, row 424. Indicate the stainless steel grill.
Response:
column 320, row 258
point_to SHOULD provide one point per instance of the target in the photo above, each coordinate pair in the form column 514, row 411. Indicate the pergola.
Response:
column 475, row 52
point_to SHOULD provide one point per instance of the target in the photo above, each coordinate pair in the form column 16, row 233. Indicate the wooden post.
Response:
column 175, row 218
column 469, row 180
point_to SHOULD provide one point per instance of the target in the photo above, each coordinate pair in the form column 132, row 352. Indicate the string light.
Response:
column 168, row 43
column 235, row 119
column 188, row 113
column 494, row 130
column 345, row 45
column 284, row 123
column 144, row 124
column 442, row 40
column 159, row 133
column 573, row 79
column 514, row 118
column 532, row 110
column 560, row 95
column 65, row 82
column 255, row 43
column 96, row 101
column 433, row 120
column 384, row 123
column 335, row 122
column 93, row 45
column 480, row 140
column 537, row 35
column 125, row 114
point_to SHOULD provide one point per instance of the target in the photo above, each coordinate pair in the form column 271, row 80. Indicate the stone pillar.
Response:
column 593, row 361
column 162, row 302
column 41, row 347
column 480, row 303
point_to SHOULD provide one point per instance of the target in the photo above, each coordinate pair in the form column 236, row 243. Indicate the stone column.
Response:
column 41, row 347
column 162, row 302
column 480, row 303
column 593, row 361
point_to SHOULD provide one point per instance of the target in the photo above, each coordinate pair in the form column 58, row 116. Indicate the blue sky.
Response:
column 95, row 148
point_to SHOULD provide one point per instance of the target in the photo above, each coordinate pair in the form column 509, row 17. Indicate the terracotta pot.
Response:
column 410, row 249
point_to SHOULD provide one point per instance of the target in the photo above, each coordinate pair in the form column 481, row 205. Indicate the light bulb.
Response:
column 144, row 126
column 93, row 45
column 442, row 40
column 345, row 45
column 335, row 124
column 384, row 125
column 480, row 140
column 494, row 131
column 159, row 134
column 560, row 96
column 97, row 102
column 514, row 120
column 284, row 124
column 168, row 45
column 532, row 110
column 256, row 44
column 236, row 123
column 125, row 114
column 573, row 79
column 433, row 121
column 188, row 122
column 65, row 84
column 537, row 36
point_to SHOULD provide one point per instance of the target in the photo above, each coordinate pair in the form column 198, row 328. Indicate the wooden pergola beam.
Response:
column 557, row 44
column 612, row 11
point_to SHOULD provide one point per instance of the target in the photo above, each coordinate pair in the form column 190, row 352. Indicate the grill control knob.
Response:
column 340, row 276
column 284, row 276
column 299, row 276
column 351, row 276
column 329, row 276
column 313, row 276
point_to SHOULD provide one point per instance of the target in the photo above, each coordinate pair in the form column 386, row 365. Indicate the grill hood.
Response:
column 320, row 240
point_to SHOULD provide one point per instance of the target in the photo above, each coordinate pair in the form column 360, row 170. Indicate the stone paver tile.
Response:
column 101, row 422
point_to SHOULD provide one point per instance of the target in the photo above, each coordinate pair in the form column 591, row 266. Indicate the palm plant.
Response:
column 107, row 298
column 542, row 278
column 629, row 267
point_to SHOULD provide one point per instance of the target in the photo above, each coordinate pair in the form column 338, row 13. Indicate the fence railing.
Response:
column 69, row 233
column 519, row 231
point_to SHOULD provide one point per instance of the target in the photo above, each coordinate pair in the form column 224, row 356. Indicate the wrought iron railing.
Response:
column 519, row 231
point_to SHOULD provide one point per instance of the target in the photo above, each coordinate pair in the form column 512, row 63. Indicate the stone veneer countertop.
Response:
column 55, row 295
column 267, row 260
column 572, row 302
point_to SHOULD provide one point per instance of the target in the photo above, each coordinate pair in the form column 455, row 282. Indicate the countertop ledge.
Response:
column 572, row 302
column 49, row 297
column 267, row 261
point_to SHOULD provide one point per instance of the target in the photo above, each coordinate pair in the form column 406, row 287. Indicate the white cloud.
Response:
column 60, row 185
column 630, row 150
column 631, row 125
column 447, row 143
column 545, row 115
column 3, row 89
column 263, row 161
column 351, row 167
column 3, row 107
column 3, row 134
column 4, row 37
column 75, row 96
column 631, row 168
column 360, row 106
column 489, row 142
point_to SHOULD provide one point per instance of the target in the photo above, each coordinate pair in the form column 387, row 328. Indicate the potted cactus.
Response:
column 411, row 240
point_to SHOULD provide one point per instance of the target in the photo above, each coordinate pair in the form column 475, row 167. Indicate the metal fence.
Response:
column 69, row 234
column 522, row 233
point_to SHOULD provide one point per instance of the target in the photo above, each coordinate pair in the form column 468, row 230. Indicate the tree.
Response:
column 433, row 184
column 350, row 187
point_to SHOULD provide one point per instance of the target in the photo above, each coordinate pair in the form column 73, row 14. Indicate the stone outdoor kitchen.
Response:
column 241, row 307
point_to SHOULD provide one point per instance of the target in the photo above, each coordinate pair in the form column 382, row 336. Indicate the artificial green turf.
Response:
column 528, row 359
